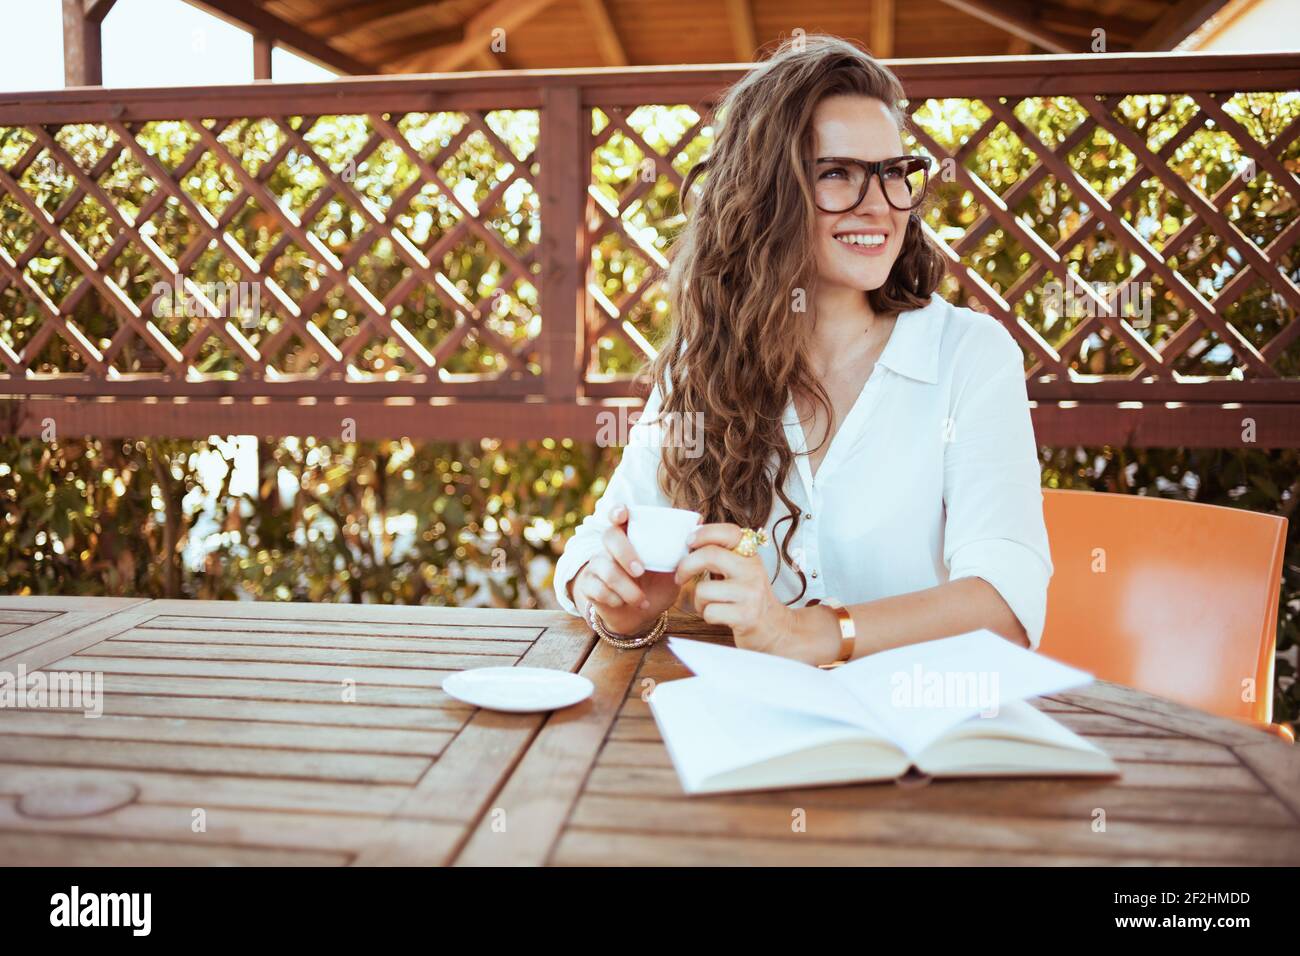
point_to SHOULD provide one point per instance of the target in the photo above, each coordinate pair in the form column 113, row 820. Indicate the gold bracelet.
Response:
column 622, row 642
column 848, row 633
column 646, row 640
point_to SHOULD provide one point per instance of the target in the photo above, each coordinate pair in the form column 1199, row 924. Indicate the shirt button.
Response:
column 808, row 515
column 814, row 574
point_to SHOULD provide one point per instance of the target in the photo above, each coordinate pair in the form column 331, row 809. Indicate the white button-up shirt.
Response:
column 933, row 475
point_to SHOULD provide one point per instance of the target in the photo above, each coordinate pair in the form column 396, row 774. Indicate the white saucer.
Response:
column 518, row 690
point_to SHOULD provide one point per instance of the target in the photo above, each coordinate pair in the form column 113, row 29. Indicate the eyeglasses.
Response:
column 840, row 183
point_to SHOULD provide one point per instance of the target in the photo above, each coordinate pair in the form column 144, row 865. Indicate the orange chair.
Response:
column 1171, row 597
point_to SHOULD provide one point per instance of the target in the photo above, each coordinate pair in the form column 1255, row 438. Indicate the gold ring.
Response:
column 750, row 541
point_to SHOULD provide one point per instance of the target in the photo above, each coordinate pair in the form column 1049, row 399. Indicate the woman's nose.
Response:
column 874, row 201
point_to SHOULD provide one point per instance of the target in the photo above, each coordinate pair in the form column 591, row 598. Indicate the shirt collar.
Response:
column 913, row 346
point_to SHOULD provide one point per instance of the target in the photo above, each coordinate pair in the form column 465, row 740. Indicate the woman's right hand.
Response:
column 627, row 597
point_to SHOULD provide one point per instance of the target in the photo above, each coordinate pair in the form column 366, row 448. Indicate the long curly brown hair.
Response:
column 741, row 274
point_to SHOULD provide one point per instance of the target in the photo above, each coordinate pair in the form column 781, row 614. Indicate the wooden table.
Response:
column 226, row 739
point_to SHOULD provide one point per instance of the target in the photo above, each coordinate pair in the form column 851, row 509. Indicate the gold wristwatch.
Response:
column 848, row 633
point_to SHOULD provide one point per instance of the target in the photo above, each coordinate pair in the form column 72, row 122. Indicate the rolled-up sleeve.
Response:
column 635, row 481
column 993, row 499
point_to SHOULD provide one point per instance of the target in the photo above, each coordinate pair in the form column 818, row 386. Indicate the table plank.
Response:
column 467, row 776
column 471, row 643
column 35, row 627
column 181, row 685
column 1071, row 799
column 951, row 829
column 60, row 604
column 273, row 829
column 218, row 733
column 582, row 847
column 433, row 617
column 332, row 714
column 190, row 758
column 418, row 660
column 370, row 628
column 1282, row 777
column 53, row 849
column 213, row 789
column 529, row 813
column 1141, row 708
column 20, row 619
column 315, row 673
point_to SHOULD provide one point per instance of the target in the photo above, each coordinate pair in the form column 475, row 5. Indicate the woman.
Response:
column 873, row 439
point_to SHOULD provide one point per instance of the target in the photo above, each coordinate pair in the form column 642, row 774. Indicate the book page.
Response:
column 1020, row 740
column 1017, row 720
column 709, row 734
column 771, row 680
column 919, row 692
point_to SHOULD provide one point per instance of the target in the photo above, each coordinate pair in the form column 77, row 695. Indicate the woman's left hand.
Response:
column 740, row 596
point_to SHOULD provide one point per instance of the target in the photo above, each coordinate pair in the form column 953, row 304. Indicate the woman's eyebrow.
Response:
column 840, row 159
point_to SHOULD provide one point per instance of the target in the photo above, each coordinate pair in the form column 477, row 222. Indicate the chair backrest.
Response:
column 1172, row 597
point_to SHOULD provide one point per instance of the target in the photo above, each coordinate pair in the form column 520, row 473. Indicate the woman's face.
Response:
column 858, row 127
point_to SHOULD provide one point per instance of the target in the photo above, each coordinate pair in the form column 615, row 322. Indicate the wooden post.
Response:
column 82, row 59
column 262, row 47
column 565, row 172
column 880, row 30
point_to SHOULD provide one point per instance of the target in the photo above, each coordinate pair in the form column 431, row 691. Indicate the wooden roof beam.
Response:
column 477, row 35
column 1176, row 24
column 97, row 10
column 421, row 45
column 488, row 60
column 1070, row 21
column 607, row 40
column 1016, row 19
column 744, row 35
column 248, row 15
column 363, row 16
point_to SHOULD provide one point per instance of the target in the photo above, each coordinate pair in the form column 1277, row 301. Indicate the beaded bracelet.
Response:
column 621, row 641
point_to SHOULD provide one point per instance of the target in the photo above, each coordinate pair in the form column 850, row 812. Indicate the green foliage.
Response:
column 390, row 522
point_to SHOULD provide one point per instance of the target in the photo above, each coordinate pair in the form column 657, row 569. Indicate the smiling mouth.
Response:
column 869, row 241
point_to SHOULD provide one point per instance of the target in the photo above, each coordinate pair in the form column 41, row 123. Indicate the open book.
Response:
column 949, row 708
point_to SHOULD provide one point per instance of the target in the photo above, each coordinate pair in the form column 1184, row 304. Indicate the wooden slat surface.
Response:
column 226, row 738
column 233, row 712
column 28, row 624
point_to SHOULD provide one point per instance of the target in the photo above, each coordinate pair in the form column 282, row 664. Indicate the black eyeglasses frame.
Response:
column 875, row 168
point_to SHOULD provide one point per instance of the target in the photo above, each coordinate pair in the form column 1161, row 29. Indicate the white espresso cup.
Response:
column 658, row 535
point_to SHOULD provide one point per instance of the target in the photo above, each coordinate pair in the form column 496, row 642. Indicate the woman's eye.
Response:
column 894, row 172
column 832, row 172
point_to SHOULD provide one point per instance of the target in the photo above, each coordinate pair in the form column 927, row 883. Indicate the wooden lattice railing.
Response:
column 483, row 255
